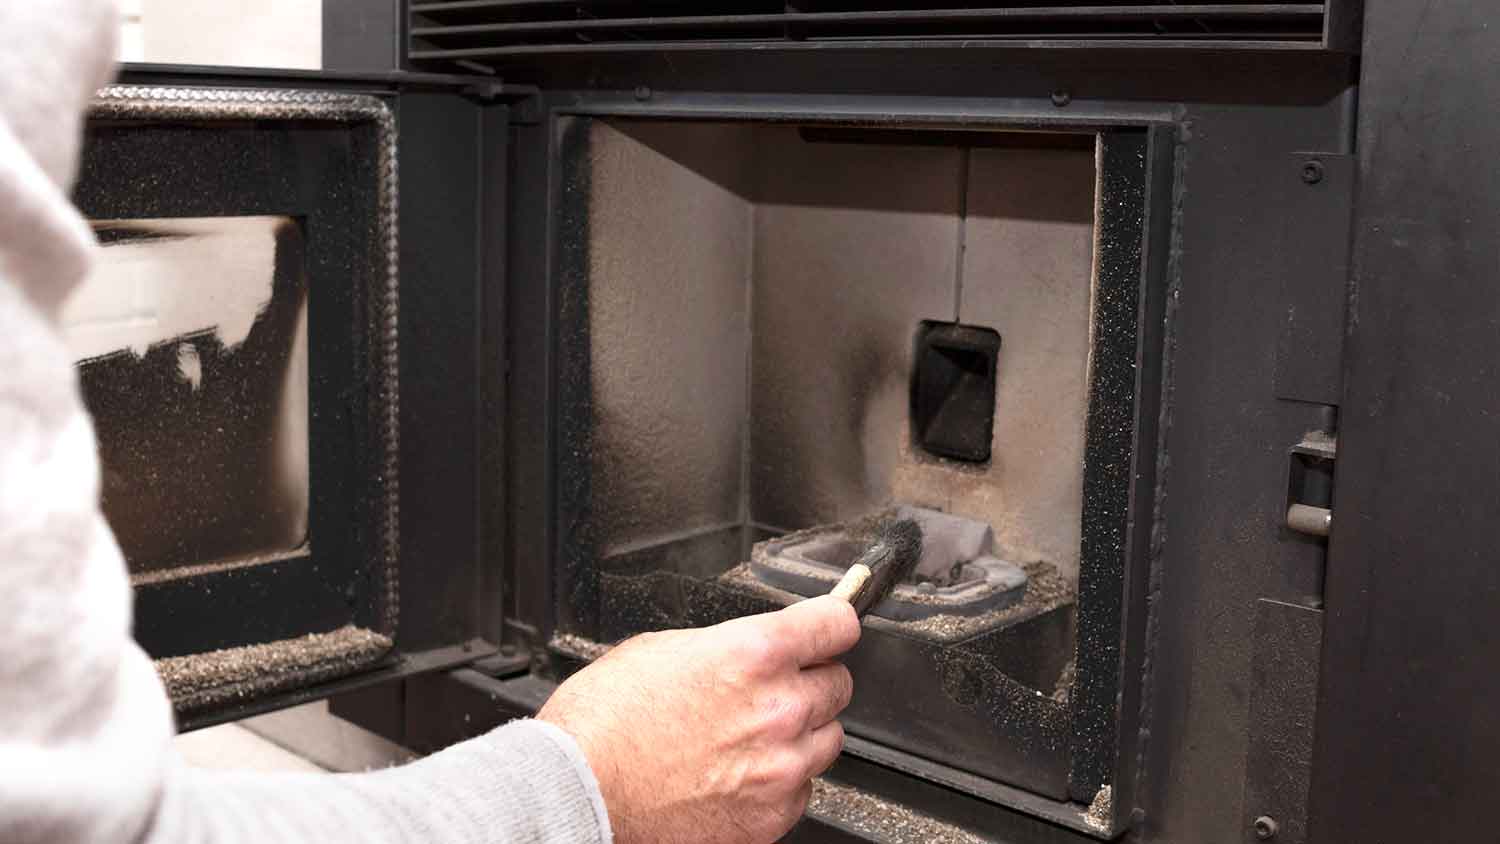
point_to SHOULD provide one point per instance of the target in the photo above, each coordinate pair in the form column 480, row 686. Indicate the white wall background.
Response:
column 246, row 33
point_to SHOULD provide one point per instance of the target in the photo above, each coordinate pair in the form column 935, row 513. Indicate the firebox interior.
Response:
column 752, row 304
column 747, row 347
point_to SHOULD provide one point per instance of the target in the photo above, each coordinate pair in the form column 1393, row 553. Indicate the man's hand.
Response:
column 714, row 735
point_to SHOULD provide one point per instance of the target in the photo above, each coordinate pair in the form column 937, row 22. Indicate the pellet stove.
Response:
column 530, row 326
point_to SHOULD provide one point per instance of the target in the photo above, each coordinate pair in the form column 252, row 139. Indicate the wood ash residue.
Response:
column 882, row 820
column 1099, row 811
column 741, row 577
column 200, row 680
column 1045, row 590
column 155, row 576
column 578, row 647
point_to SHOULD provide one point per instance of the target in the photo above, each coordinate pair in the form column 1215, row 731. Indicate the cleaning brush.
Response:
column 893, row 553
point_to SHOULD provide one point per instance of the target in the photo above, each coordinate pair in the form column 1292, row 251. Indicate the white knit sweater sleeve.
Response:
column 85, row 726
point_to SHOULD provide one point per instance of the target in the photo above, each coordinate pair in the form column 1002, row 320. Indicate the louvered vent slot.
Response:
column 492, row 29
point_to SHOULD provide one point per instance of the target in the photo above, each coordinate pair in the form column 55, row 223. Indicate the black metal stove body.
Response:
column 1215, row 202
column 1219, row 148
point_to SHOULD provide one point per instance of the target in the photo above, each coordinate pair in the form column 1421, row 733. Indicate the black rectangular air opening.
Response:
column 953, row 390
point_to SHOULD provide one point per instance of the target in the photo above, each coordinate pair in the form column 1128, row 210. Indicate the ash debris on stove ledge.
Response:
column 881, row 820
column 1045, row 590
column 974, row 682
column 1099, row 811
column 577, row 647
column 197, row 681
column 1064, row 687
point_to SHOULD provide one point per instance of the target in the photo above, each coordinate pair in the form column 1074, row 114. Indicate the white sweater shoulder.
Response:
column 85, row 726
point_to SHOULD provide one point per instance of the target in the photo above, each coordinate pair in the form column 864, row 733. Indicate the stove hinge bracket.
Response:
column 1316, row 208
column 524, row 100
column 1315, row 203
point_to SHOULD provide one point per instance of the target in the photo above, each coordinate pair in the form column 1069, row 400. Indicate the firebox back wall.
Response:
column 753, row 303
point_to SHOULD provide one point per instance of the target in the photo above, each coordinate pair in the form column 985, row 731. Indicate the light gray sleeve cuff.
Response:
column 579, row 802
column 525, row 783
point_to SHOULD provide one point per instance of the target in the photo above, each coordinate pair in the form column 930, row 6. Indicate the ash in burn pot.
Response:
column 957, row 573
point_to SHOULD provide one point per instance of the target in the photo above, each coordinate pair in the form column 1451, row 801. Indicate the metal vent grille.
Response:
column 492, row 29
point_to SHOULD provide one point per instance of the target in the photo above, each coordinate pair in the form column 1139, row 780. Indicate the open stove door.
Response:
column 281, row 349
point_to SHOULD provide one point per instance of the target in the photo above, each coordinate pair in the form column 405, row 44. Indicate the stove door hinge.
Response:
column 509, row 662
column 1310, row 484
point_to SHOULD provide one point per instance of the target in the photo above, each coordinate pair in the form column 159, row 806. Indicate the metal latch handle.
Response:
column 1310, row 484
column 1305, row 518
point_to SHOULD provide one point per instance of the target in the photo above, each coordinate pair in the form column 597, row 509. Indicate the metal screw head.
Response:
column 1312, row 172
column 642, row 93
column 1265, row 827
column 1062, row 97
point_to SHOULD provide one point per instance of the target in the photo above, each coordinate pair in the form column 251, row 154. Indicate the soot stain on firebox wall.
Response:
column 199, row 460
column 823, row 479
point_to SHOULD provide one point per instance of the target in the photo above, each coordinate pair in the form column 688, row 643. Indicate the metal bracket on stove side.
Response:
column 1317, row 207
column 1283, row 703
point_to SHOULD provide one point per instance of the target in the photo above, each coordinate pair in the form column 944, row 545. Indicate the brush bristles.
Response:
column 904, row 537
column 894, row 551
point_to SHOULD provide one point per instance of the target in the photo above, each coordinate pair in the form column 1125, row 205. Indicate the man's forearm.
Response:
column 525, row 783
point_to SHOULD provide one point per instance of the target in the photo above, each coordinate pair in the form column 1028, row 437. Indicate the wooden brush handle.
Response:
column 853, row 580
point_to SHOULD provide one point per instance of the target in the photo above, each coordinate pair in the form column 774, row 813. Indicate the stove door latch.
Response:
column 1310, row 485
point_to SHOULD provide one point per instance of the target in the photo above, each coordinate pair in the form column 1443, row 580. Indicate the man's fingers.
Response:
column 818, row 629
column 821, row 747
column 827, row 689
